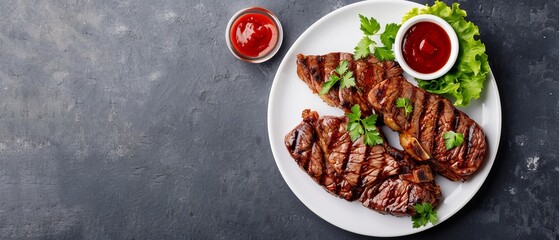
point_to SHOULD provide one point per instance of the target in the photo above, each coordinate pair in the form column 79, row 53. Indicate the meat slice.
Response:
column 321, row 146
column 421, row 132
column 397, row 195
column 314, row 70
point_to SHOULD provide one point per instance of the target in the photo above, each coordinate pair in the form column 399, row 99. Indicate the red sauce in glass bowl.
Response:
column 426, row 47
column 254, row 34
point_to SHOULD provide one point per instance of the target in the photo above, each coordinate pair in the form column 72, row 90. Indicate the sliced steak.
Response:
column 314, row 70
column 397, row 195
column 421, row 132
column 321, row 146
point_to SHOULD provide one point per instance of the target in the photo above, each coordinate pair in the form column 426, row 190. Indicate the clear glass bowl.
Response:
column 261, row 11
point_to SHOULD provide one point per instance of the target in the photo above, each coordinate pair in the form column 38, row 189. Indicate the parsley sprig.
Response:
column 406, row 104
column 424, row 213
column 370, row 27
column 340, row 74
column 452, row 139
column 357, row 127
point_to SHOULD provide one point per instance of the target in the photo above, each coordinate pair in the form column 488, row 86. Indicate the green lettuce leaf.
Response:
column 464, row 82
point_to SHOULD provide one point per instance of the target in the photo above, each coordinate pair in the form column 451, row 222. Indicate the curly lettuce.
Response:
column 465, row 80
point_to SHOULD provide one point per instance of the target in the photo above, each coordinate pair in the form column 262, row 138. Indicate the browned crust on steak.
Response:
column 321, row 146
column 397, row 197
column 314, row 70
column 421, row 133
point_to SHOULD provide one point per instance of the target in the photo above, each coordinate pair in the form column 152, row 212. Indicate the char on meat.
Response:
column 314, row 70
column 381, row 177
column 421, row 132
column 397, row 195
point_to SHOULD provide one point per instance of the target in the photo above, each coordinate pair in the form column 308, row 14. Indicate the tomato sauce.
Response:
column 426, row 47
column 254, row 35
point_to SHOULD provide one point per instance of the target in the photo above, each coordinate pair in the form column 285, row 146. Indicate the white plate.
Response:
column 289, row 96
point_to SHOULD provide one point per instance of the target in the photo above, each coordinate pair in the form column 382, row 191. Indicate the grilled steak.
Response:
column 314, row 70
column 398, row 194
column 383, row 178
column 421, row 132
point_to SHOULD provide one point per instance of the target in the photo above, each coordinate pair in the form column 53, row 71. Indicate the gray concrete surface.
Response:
column 131, row 120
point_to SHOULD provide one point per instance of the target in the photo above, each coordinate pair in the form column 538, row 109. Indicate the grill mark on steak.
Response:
column 412, row 101
column 361, row 178
column 354, row 165
column 331, row 61
column 315, row 70
column 441, row 127
column 320, row 61
column 391, row 92
column 345, row 94
column 301, row 145
column 353, row 161
column 456, row 119
column 436, row 126
column 406, row 92
column 367, row 72
column 469, row 137
column 429, row 124
column 437, row 116
column 293, row 141
column 367, row 168
column 461, row 127
column 418, row 102
column 360, row 73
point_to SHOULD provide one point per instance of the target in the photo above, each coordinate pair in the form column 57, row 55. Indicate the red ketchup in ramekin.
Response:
column 426, row 47
column 254, row 34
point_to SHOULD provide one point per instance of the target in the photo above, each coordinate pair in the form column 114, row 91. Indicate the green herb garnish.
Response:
column 465, row 80
column 342, row 75
column 357, row 127
column 424, row 213
column 370, row 27
column 452, row 139
column 406, row 104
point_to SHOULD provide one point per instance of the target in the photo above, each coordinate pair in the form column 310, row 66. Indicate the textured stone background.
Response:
column 131, row 120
